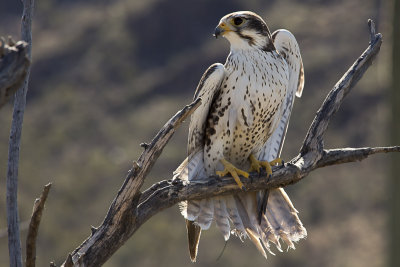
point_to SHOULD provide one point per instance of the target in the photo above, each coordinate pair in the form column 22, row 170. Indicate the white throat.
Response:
column 240, row 43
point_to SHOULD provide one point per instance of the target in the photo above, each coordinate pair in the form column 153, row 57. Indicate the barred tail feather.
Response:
column 235, row 217
column 206, row 215
column 254, row 237
column 268, row 233
column 221, row 217
column 280, row 222
column 190, row 209
column 246, row 204
column 283, row 218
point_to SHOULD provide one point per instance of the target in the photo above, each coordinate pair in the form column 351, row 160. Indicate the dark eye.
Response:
column 237, row 21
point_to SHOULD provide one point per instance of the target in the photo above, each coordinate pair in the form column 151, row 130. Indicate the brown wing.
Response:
column 208, row 87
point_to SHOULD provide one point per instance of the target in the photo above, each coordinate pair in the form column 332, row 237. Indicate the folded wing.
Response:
column 274, row 206
column 199, row 214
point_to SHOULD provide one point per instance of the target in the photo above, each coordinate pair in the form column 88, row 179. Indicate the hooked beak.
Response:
column 218, row 31
column 221, row 29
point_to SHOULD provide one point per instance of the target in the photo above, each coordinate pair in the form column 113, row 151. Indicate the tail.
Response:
column 283, row 220
column 280, row 222
column 239, row 212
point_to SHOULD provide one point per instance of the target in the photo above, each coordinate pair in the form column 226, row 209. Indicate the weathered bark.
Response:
column 170, row 192
column 14, row 242
column 130, row 208
column 117, row 227
column 14, row 63
column 34, row 227
column 332, row 102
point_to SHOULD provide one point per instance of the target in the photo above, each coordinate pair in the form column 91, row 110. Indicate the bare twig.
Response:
column 14, row 242
column 34, row 227
column 313, row 141
column 372, row 31
column 130, row 209
column 14, row 64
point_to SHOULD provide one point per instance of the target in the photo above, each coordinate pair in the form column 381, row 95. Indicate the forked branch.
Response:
column 130, row 208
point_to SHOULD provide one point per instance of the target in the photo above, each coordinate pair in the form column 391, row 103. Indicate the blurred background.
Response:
column 106, row 75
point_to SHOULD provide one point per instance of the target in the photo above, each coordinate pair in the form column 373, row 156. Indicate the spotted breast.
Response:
column 246, row 110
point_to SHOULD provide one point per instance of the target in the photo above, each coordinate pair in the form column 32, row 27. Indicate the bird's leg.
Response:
column 256, row 165
column 235, row 172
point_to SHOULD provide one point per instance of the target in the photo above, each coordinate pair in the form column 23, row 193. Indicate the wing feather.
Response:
column 287, row 46
column 276, row 201
column 193, row 166
column 207, row 90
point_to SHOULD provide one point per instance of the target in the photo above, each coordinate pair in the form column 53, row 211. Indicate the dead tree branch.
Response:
column 170, row 192
column 34, row 227
column 14, row 63
column 130, row 208
column 117, row 227
column 333, row 101
column 14, row 242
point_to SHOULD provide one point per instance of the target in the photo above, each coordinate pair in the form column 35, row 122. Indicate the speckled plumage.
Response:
column 245, row 109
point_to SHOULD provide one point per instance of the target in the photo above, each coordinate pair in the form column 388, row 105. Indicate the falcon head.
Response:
column 245, row 30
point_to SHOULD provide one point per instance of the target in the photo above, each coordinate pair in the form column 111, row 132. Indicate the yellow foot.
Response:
column 235, row 172
column 256, row 165
column 276, row 162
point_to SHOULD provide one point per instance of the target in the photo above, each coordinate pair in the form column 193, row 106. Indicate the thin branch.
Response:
column 130, row 208
column 14, row 242
column 345, row 155
column 333, row 101
column 34, row 227
column 14, row 63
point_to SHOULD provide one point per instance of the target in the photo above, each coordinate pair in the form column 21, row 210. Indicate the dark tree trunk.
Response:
column 394, row 230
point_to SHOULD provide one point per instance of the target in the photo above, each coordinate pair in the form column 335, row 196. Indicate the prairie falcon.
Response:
column 241, row 125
